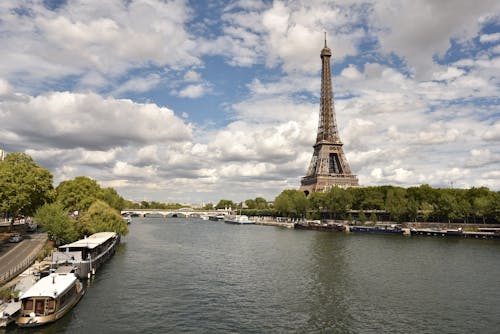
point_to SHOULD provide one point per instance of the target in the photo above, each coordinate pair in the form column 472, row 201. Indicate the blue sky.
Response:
column 194, row 101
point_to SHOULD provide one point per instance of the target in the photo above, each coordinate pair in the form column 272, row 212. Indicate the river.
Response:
column 194, row 276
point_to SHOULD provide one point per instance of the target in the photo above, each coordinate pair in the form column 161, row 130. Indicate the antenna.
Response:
column 325, row 39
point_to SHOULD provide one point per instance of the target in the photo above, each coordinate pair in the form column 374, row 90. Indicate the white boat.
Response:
column 9, row 311
column 88, row 254
column 237, row 219
column 49, row 299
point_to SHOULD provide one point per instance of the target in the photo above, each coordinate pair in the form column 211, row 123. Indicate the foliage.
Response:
column 101, row 217
column 208, row 206
column 225, row 203
column 396, row 203
column 111, row 196
column 55, row 220
column 79, row 194
column 257, row 203
column 422, row 203
column 292, row 203
column 24, row 186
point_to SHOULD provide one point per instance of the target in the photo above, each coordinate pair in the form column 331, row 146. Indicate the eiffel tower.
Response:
column 329, row 166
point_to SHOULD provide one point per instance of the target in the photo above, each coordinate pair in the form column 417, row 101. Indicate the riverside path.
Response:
column 14, row 258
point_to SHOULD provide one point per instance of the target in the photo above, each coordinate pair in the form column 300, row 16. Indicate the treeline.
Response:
column 423, row 203
column 152, row 205
column 73, row 209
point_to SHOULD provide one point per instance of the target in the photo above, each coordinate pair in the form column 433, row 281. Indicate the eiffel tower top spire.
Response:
column 327, row 127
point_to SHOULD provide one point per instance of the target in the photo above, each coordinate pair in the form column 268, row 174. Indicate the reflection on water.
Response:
column 179, row 275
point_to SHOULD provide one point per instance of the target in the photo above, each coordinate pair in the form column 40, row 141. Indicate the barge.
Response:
column 87, row 255
column 433, row 232
column 318, row 226
column 379, row 229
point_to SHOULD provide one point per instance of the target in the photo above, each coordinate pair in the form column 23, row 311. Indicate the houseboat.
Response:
column 237, row 219
column 88, row 254
column 49, row 299
column 319, row 226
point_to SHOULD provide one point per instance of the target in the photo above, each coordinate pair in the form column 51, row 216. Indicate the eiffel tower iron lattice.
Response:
column 329, row 166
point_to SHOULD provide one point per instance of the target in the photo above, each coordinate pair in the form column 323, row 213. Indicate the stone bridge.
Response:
column 183, row 212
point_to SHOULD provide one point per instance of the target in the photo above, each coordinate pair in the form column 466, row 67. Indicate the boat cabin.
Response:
column 49, row 296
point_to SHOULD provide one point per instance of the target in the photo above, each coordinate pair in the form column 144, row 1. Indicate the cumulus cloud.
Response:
column 419, row 30
column 72, row 120
column 193, row 91
column 109, row 38
column 404, row 114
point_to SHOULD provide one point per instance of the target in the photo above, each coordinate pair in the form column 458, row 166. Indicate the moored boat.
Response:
column 238, row 219
column 49, row 299
column 378, row 228
column 88, row 254
column 319, row 226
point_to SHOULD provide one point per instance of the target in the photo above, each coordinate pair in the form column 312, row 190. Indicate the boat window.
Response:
column 50, row 305
column 39, row 306
column 28, row 305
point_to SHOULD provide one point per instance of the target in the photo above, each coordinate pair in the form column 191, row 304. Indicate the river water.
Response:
column 193, row 276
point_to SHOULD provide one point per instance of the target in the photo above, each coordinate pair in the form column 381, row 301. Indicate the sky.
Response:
column 197, row 101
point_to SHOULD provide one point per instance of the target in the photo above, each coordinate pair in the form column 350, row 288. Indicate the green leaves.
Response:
column 55, row 220
column 292, row 203
column 102, row 218
column 24, row 186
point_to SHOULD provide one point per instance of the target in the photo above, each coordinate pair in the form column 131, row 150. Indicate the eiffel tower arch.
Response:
column 329, row 166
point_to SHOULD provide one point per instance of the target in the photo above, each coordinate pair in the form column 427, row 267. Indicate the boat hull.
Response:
column 319, row 227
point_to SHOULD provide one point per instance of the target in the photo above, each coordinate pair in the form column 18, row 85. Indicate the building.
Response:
column 329, row 166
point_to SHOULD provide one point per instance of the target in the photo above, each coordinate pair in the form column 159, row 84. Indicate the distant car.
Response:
column 16, row 237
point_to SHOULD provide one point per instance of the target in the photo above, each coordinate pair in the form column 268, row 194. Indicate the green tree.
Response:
column 250, row 203
column 260, row 203
column 447, row 206
column 55, row 220
column 24, row 186
column 338, row 201
column 111, row 196
column 225, row 203
column 292, row 203
column 208, row 206
column 78, row 194
column 100, row 217
column 396, row 203
column 362, row 216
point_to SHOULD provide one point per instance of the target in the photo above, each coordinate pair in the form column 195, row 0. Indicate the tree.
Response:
column 447, row 206
column 396, row 203
column 338, row 201
column 24, row 186
column 100, row 217
column 225, row 203
column 78, row 194
column 55, row 220
column 260, row 203
column 111, row 196
column 250, row 203
column 208, row 206
column 292, row 203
